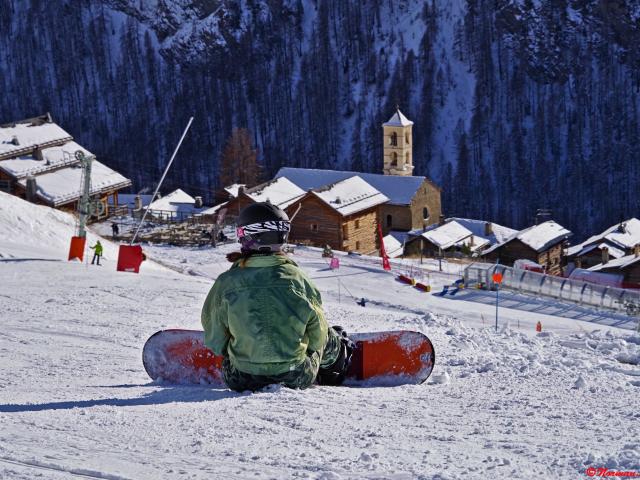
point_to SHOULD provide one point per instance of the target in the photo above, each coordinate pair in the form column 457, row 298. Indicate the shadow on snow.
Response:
column 170, row 394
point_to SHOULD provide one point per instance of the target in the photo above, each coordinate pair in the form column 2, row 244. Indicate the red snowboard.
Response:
column 380, row 358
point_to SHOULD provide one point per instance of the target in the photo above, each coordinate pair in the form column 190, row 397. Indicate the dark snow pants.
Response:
column 300, row 377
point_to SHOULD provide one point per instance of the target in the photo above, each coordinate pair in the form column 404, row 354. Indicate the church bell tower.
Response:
column 398, row 145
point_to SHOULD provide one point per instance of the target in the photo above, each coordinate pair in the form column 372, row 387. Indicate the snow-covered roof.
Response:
column 453, row 234
column 233, row 189
column 619, row 263
column 498, row 234
column 394, row 243
column 400, row 190
column 22, row 138
column 624, row 235
column 398, row 120
column 52, row 158
column 613, row 251
column 350, row 196
column 176, row 201
column 538, row 237
column 213, row 210
column 280, row 192
column 63, row 186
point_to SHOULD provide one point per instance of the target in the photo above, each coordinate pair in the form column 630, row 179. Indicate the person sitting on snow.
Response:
column 264, row 315
column 97, row 252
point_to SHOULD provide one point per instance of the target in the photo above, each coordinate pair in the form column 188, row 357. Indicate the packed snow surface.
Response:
column 75, row 401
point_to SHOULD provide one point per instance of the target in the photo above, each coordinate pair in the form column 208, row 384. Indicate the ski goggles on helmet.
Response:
column 281, row 226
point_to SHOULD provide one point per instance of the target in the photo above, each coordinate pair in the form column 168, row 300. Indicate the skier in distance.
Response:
column 264, row 315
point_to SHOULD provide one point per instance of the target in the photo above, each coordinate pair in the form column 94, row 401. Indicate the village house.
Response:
column 280, row 192
column 38, row 163
column 414, row 201
column 542, row 244
column 456, row 235
column 343, row 215
column 628, row 267
column 175, row 206
column 614, row 243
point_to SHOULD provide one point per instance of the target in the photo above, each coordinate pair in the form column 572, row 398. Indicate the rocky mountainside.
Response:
column 517, row 104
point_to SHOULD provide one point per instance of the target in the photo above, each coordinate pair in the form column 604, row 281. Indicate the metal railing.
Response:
column 576, row 291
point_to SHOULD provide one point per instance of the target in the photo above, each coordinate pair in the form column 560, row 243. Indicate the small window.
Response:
column 393, row 140
column 425, row 213
column 407, row 138
column 357, row 223
column 407, row 159
column 394, row 158
column 345, row 231
column 314, row 227
column 389, row 221
column 358, row 246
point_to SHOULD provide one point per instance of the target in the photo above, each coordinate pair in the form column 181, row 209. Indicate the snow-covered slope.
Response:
column 76, row 402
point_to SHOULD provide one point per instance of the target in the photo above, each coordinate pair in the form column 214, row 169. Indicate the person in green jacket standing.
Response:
column 264, row 315
column 97, row 252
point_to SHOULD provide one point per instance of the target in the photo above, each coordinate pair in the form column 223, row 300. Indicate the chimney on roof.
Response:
column 441, row 219
column 198, row 202
column 472, row 241
column 31, row 189
column 240, row 189
column 137, row 203
column 15, row 141
column 622, row 228
column 605, row 255
column 488, row 229
column 37, row 153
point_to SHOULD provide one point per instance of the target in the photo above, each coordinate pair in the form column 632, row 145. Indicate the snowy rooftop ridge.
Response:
column 453, row 234
column 538, row 237
column 52, row 158
column 350, row 196
column 498, row 233
column 398, row 120
column 173, row 201
column 400, row 190
column 624, row 235
column 64, row 185
column 619, row 263
column 22, row 138
column 279, row 191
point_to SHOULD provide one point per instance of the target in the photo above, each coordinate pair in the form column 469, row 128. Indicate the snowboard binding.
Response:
column 336, row 373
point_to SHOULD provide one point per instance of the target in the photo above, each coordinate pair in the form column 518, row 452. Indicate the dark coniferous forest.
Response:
column 517, row 104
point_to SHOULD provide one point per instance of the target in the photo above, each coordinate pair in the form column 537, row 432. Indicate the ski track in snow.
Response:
column 75, row 401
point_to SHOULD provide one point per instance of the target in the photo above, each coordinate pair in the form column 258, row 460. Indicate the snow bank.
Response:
column 29, row 230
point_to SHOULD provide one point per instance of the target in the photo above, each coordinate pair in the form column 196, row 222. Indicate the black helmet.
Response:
column 262, row 227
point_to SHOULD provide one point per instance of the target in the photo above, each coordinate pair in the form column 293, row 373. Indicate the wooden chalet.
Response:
column 627, row 266
column 280, row 192
column 414, row 202
column 542, row 244
column 38, row 163
column 614, row 243
column 445, row 238
column 343, row 215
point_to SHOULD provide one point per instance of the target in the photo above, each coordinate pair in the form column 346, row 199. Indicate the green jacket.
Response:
column 98, row 248
column 264, row 316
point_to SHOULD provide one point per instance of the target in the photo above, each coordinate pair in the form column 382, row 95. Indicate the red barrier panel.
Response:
column 405, row 279
column 129, row 258
column 76, row 249
column 423, row 287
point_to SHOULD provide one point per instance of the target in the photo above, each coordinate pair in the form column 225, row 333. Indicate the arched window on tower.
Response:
column 394, row 158
column 393, row 140
column 407, row 138
column 425, row 213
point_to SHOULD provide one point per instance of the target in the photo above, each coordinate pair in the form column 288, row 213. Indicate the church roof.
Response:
column 400, row 190
column 398, row 120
